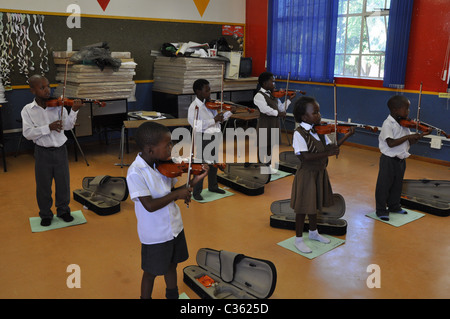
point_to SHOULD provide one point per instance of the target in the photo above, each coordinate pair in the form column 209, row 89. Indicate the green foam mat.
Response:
column 317, row 247
column 35, row 222
column 398, row 220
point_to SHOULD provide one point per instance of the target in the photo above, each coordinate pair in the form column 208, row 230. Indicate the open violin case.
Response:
column 227, row 275
column 329, row 220
column 244, row 177
column 289, row 162
column 429, row 196
column 102, row 194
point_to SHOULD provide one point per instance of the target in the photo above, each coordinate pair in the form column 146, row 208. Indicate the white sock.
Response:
column 300, row 245
column 314, row 235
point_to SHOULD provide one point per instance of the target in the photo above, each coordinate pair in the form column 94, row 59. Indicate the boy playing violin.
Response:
column 208, row 129
column 45, row 127
column 159, row 223
column 394, row 143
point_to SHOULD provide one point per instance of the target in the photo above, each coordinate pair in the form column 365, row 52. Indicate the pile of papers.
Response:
column 90, row 82
column 176, row 75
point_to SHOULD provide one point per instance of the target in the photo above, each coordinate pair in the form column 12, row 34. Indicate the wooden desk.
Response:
column 177, row 122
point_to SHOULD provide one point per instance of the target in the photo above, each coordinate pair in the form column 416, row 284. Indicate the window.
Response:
column 361, row 38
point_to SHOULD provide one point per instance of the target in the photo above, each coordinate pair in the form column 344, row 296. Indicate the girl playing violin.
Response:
column 159, row 223
column 208, row 129
column 394, row 143
column 270, row 108
column 45, row 127
column 311, row 189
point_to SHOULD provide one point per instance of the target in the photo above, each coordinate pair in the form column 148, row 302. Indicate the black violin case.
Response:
column 329, row 220
column 244, row 177
column 430, row 196
column 288, row 162
column 102, row 194
column 227, row 275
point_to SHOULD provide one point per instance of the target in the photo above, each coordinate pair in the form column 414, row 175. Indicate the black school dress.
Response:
column 311, row 189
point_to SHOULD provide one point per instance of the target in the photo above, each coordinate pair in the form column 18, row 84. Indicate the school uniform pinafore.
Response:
column 311, row 189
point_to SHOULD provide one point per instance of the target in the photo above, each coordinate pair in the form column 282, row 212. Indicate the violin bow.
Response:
column 192, row 150
column 221, row 92
column 418, row 106
column 64, row 88
column 335, row 114
column 286, row 95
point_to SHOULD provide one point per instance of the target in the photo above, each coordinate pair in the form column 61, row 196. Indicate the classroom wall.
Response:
column 138, row 26
column 364, row 101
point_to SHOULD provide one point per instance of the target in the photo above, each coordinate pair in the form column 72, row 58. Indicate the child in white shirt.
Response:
column 394, row 143
column 159, row 222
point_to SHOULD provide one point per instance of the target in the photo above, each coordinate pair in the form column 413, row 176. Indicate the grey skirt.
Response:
column 156, row 258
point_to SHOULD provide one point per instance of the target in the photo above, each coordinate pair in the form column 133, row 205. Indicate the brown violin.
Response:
column 282, row 93
column 416, row 125
column 69, row 102
column 172, row 169
column 226, row 106
column 326, row 128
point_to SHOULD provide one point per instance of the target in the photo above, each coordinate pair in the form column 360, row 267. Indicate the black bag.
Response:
column 227, row 275
column 102, row 194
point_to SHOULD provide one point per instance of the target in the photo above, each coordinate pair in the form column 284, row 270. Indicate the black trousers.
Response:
column 52, row 164
column 389, row 184
column 207, row 139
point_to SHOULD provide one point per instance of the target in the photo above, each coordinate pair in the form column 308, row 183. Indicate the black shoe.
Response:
column 198, row 197
column 46, row 222
column 217, row 190
column 66, row 217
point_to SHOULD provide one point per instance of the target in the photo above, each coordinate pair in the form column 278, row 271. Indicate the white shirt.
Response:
column 299, row 143
column 392, row 129
column 159, row 226
column 261, row 103
column 35, row 121
column 205, row 122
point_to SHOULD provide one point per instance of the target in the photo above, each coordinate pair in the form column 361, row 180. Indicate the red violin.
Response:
column 172, row 169
column 282, row 93
column 325, row 128
column 417, row 125
column 226, row 106
column 69, row 102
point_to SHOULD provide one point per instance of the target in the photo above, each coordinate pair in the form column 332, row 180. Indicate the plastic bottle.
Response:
column 69, row 44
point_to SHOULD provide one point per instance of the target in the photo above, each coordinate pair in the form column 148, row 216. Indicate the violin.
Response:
column 281, row 93
column 325, row 128
column 172, row 169
column 417, row 125
column 69, row 102
column 227, row 106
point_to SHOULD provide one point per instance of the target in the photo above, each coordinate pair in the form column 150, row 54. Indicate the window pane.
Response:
column 370, row 66
column 355, row 6
column 343, row 4
column 351, row 65
column 353, row 34
column 340, row 35
column 377, row 33
column 375, row 5
column 339, row 64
